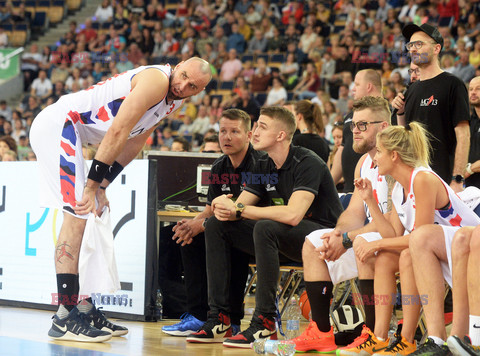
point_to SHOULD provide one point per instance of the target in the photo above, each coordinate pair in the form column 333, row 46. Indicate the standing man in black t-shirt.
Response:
column 440, row 101
column 303, row 198
column 367, row 83
column 225, row 177
column 472, row 178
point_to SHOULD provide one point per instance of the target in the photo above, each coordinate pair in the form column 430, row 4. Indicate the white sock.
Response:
column 474, row 330
column 84, row 306
column 62, row 312
column 437, row 340
column 381, row 338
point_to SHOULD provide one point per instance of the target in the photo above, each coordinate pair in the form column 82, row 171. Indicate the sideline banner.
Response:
column 9, row 64
column 28, row 235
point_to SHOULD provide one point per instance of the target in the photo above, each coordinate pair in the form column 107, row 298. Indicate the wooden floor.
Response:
column 23, row 332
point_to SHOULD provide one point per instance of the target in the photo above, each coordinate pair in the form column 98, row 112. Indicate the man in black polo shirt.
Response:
column 472, row 176
column 303, row 198
column 225, row 178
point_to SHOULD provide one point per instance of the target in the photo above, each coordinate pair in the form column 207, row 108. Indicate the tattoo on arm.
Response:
column 391, row 183
column 61, row 251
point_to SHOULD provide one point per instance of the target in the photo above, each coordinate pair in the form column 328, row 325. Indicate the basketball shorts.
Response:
column 448, row 232
column 62, row 169
column 345, row 267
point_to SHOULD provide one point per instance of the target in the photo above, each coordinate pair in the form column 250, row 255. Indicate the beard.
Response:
column 363, row 146
column 170, row 94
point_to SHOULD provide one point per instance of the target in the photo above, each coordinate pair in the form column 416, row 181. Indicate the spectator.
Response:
column 253, row 17
column 337, row 136
column 74, row 77
column 464, row 70
column 232, row 67
column 307, row 39
column 308, row 117
column 277, row 95
column 18, row 130
column 104, row 12
column 262, row 76
column 247, row 103
column 450, row 146
column 3, row 38
column 7, row 143
column 88, row 31
column 42, row 86
column 5, row 110
column 30, row 65
column 9, row 156
column 180, row 144
column 308, row 85
column 200, row 124
column 236, row 40
column 211, row 145
column 472, row 171
column 258, row 44
column 407, row 12
column 186, row 127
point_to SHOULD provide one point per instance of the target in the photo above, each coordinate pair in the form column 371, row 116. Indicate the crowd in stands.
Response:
column 262, row 52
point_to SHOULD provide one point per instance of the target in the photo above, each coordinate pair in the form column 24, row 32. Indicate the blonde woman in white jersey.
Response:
column 126, row 107
column 420, row 197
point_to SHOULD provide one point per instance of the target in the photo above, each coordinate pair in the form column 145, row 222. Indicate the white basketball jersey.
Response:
column 93, row 110
column 379, row 185
column 457, row 213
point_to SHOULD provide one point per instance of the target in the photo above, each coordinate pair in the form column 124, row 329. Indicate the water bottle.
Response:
column 293, row 315
column 159, row 306
column 274, row 347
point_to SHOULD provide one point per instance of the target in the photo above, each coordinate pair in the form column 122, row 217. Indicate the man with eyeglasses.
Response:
column 328, row 256
column 440, row 102
column 414, row 73
column 366, row 82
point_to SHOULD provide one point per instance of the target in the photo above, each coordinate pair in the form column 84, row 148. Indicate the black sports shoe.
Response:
column 216, row 329
column 430, row 348
column 76, row 327
column 462, row 348
column 261, row 327
column 97, row 318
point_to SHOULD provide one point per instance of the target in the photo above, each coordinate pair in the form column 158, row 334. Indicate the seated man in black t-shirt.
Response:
column 225, row 178
column 303, row 198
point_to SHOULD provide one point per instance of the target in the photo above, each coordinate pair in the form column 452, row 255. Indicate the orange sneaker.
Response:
column 366, row 344
column 399, row 346
column 313, row 339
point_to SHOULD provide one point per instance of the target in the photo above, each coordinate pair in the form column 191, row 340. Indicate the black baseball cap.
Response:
column 430, row 30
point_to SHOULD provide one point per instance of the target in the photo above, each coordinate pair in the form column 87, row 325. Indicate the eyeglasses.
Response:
column 416, row 44
column 362, row 125
column 416, row 71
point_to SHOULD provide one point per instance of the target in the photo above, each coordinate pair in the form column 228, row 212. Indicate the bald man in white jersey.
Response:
column 126, row 107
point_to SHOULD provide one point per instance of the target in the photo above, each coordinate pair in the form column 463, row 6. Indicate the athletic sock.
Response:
column 62, row 312
column 85, row 305
column 474, row 330
column 366, row 289
column 66, row 290
column 438, row 340
column 319, row 295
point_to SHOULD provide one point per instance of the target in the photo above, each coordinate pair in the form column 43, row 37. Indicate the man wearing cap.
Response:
column 440, row 102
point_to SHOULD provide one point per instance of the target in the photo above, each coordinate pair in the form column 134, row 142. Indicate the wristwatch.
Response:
column 239, row 207
column 458, row 178
column 204, row 223
column 469, row 169
column 347, row 243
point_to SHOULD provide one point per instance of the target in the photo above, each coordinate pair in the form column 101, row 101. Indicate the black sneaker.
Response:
column 430, row 348
column 216, row 329
column 261, row 327
column 76, row 327
column 97, row 318
column 462, row 348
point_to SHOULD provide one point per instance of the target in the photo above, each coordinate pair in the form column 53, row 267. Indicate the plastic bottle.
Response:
column 293, row 315
column 274, row 347
column 159, row 305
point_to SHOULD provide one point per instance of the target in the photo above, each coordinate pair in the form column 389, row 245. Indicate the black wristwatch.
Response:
column 204, row 223
column 239, row 207
column 458, row 178
column 346, row 242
